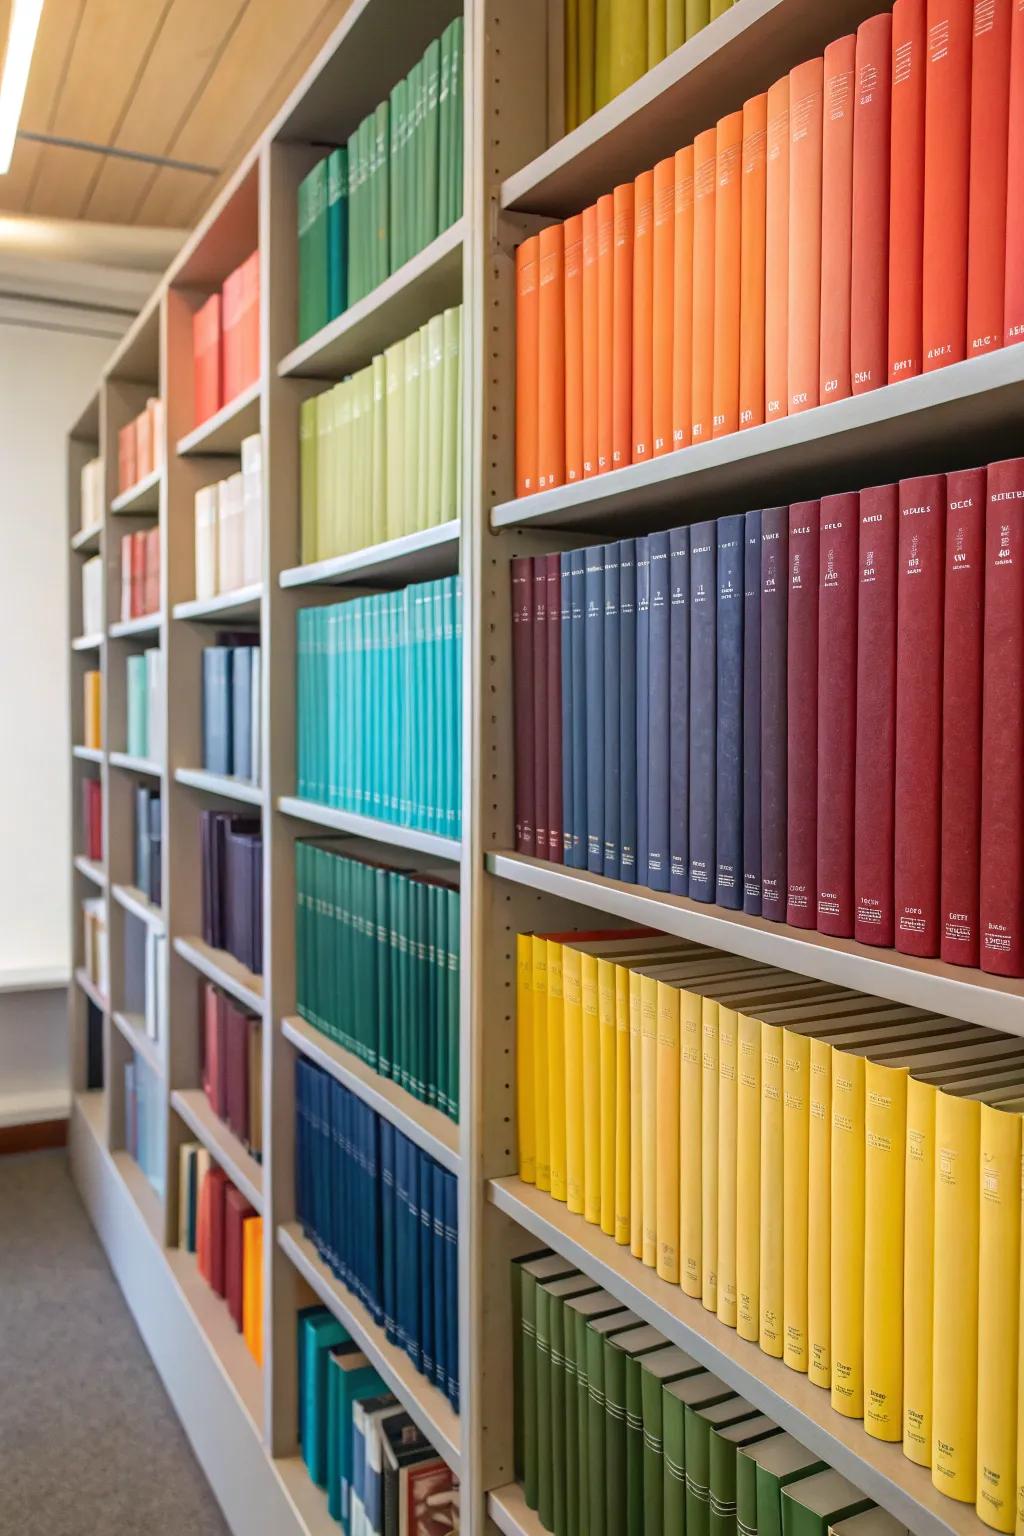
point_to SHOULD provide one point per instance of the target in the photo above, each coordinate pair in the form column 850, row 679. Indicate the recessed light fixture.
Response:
column 21, row 42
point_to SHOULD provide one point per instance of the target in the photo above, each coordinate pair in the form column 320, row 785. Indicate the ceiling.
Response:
column 192, row 80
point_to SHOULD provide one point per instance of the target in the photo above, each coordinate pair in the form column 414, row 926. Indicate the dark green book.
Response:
column 725, row 1442
column 517, row 1353
column 812, row 1504
column 597, row 1450
column 532, row 1273
column 697, row 1391
column 640, row 1348
column 870, row 1522
column 431, row 154
column 576, row 1314
column 318, row 260
column 302, row 221
column 337, row 232
column 550, row 1296
column 778, row 1462
column 618, row 1350
column 697, row 1427
column 668, row 1364
column 381, row 195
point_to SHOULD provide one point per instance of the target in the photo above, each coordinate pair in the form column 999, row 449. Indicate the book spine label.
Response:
column 729, row 713
column 752, row 714
column 906, row 188
column 594, row 713
column 627, row 709
column 703, row 591
column 611, row 845
column 540, row 706
column 837, row 710
column 834, row 382
column 554, row 707
column 946, row 183
column 774, row 648
column 990, row 122
column 658, row 714
column 806, row 84
column 679, row 710
column 875, row 766
column 802, row 715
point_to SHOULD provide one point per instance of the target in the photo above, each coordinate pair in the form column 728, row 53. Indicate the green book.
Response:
column 696, row 1391
column 778, row 1462
column 565, row 1448
column 317, row 247
column 664, row 1365
column 302, row 201
column 396, row 129
column 381, row 194
column 550, row 1296
column 579, row 1312
column 444, row 139
column 412, row 157
column 431, row 140
column 532, row 1273
column 698, row 1424
column 622, row 1355
column 456, row 129
column 870, row 1522
column 722, row 1450
column 597, row 1332
column 454, row 910
column 337, row 232
column 353, row 1380
column 813, row 1504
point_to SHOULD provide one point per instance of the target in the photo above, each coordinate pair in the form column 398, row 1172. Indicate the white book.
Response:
column 207, row 500
column 92, row 596
column 252, row 510
column 91, row 494
column 229, row 534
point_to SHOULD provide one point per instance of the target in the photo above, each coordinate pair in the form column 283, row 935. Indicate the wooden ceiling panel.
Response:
column 58, row 34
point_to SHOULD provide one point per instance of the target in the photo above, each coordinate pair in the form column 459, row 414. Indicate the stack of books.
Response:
column 140, row 446
column 228, row 527
column 147, row 843
column 92, row 819
column 144, row 1120
column 140, row 573
column 232, row 739
column 232, row 872
column 226, row 341
column 144, row 702
column 231, row 1064
column 218, row 1225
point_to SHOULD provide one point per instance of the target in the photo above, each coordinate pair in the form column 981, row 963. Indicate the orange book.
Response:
column 574, row 347
column 1013, row 304
column 527, row 316
column 551, row 358
column 752, row 237
column 590, row 330
column 127, row 456
column 622, row 326
column 643, row 317
column 806, row 83
column 605, row 329
column 92, row 699
column 947, row 152
column 725, row 394
column 906, row 188
column 986, row 222
column 252, row 1285
column 664, row 227
column 869, row 255
column 144, row 444
column 776, row 255
column 682, row 298
column 702, row 387
column 836, row 218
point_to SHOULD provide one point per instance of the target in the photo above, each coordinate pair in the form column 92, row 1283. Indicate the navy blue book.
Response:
column 612, row 853
column 374, row 1281
column 752, row 715
column 403, row 1264
column 594, row 639
column 217, row 709
column 703, row 679
column 731, row 532
column 411, row 1257
column 387, row 1225
column 774, row 711
column 437, row 1257
column 428, row 1344
column 565, row 631
column 658, row 648
column 643, row 623
column 241, row 711
column 451, row 1262
column 578, row 691
column 679, row 712
column 627, row 710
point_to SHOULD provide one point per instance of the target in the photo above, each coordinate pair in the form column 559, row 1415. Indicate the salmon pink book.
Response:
column 590, row 340
column 206, row 352
column 806, row 85
column 574, row 348
column 605, row 330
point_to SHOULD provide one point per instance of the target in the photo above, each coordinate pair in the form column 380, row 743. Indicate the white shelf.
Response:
column 210, row 1312
column 223, row 969
column 243, row 603
column 88, row 754
column 135, row 764
column 368, row 827
column 142, row 497
column 90, row 989
column 222, row 784
column 133, row 1027
column 223, row 432
column 87, row 539
column 142, row 624
column 139, row 905
column 510, row 1512
column 92, row 869
column 33, row 978
column 87, row 642
column 222, row 1144
column 417, row 556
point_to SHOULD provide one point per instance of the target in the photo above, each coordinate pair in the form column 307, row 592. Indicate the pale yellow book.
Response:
column 847, row 1234
column 308, row 498
column 748, row 1177
column 541, row 1070
column 998, row 1315
column 955, row 1297
column 591, row 1091
column 368, row 456
column 918, row 1272
column 378, row 530
column 525, row 1122
column 394, row 363
column 423, row 480
column 666, row 1160
column 435, row 418
column 556, row 1070
column 819, row 1217
column 345, row 467
column 796, row 1071
column 636, row 1121
column 609, row 1050
column 728, row 1047
column 885, row 1135
column 709, row 1154
column 356, row 472
column 770, row 1287
column 623, row 1108
column 413, row 473
column 324, row 479
column 691, row 1273
column 572, row 1017
column 450, row 430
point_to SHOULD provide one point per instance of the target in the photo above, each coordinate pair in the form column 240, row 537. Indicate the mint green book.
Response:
column 696, row 1391
column 382, row 198
column 431, row 140
column 664, row 1365
column 722, row 1452
column 698, row 1424
column 369, row 204
column 811, row 1505
column 450, row 468
column 532, row 1274
column 355, row 215
column 396, row 127
column 620, row 1352
column 457, row 118
column 777, row 1463
column 337, row 232
column 581, row 1313
column 555, row 1291
column 444, row 138
column 597, row 1437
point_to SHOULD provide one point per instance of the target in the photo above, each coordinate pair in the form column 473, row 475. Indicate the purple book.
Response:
column 774, row 631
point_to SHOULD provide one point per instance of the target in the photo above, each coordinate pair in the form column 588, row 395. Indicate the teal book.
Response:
column 696, row 1391
column 431, row 141
column 551, row 1387
column 723, row 1448
column 319, row 1333
column 337, row 232
column 533, row 1273
column 698, row 1425
column 664, row 1365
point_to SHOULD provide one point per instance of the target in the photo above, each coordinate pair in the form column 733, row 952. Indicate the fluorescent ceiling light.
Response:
column 21, row 42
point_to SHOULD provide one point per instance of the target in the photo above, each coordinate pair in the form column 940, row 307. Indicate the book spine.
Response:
column 590, row 364
column 875, row 766
column 885, row 1136
column 986, row 223
column 776, row 272
column 627, row 710
column 606, row 311
column 955, row 1350
column 703, row 590
column 725, row 399
column 565, row 722
column 919, row 1272
column 753, row 194
column 869, row 257
column 998, row 1316
column 662, row 311
column 802, row 715
column 594, row 712
column 682, row 299
column 906, row 188
column 679, row 710
column 834, row 376
column 806, row 85
column 946, row 183
column 774, row 651
column 729, row 616
column 643, row 617
column 703, row 343
column 847, row 1300
column 1013, row 298
column 611, row 844
column 540, row 705
column 527, row 365
column 578, row 597
column 574, row 348
column 752, row 714
column 658, row 713
column 555, row 745
column 551, row 358
column 837, row 710
column 622, row 326
column 642, row 362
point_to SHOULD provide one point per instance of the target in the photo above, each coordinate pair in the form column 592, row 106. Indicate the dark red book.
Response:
column 869, row 266
column 947, row 154
column 961, row 715
column 875, row 768
column 837, row 709
column 540, row 706
column 522, row 690
column 1002, row 742
column 774, row 625
column 554, row 706
column 916, row 850
column 802, row 717
column 219, row 1186
column 138, row 574
column 92, row 818
column 236, row 1211
column 237, row 1039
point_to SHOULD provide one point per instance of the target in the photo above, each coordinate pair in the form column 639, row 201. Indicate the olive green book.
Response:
column 697, row 1427
column 596, row 1332
column 724, row 1445
column 779, row 1461
column 870, row 1522
column 621, row 1351
column 696, row 1391
column 668, row 1364
column 812, row 1504
column 532, row 1272
column 576, row 1313
column 548, row 1297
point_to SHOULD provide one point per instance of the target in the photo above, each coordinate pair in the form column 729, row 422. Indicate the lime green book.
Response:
column 664, row 1365
column 444, row 133
column 551, row 1298
column 379, row 520
column 624, row 1358
column 724, row 1445
column 423, row 423
column 696, row 1391
column 381, row 193
column 777, row 1463
column 431, row 140
column 308, row 497
column 813, row 1504
column 450, row 464
column 411, row 431
column 532, row 1273
column 593, row 1472
column 698, row 1424
column 870, row 1522
column 435, row 417
column 394, row 368
column 579, row 1311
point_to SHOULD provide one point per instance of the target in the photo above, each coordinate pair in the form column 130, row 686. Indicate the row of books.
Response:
column 226, row 341
column 231, row 1065
column 92, row 596
column 620, row 1433
column 380, row 1471
column 232, row 738
column 802, row 712
column 144, row 975
column 228, row 527
column 92, row 819
column 380, row 452
column 218, row 1225
column 144, row 700
column 90, row 494
column 379, row 709
column 147, row 843
column 231, row 853
column 140, row 573
column 384, row 1216
column 689, row 304
column 370, row 205
column 144, row 1120
column 140, row 446
column 377, row 965
column 92, row 713
column 835, row 1176
column 95, row 948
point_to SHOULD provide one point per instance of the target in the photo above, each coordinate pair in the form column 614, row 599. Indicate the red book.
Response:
column 837, row 709
column 540, row 705
column 990, row 121
column 802, row 716
column 551, row 359
column 869, row 257
column 231, row 333
column 237, row 1210
column 961, row 714
column 237, row 1037
column 622, row 326
column 127, row 472
column 206, row 352
column 527, row 312
column 1013, row 307
column 139, row 543
column 837, row 218
column 947, row 153
column 590, row 351
column 574, row 348
column 522, row 692
column 878, row 562
column 208, row 1040
column 916, row 846
column 151, row 595
column 554, row 706
column 906, row 188
column 219, row 1186
column 1002, row 742
column 92, row 818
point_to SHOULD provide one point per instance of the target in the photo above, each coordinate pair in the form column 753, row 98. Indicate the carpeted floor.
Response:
column 89, row 1442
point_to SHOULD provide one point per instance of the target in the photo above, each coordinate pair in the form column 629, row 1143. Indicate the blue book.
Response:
column 594, row 640
column 437, row 1254
column 612, row 853
column 402, row 1265
column 752, row 715
column 451, row 1272
column 387, row 1225
column 658, row 640
column 411, row 1258
column 627, row 710
column 428, row 1345
column 679, row 712
column 565, row 638
column 731, row 533
column 643, row 616
column 578, row 738
column 217, row 709
column 241, row 711
column 703, row 590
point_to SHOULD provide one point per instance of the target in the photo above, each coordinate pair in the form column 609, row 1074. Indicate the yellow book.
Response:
column 572, row 1023
column 627, row 45
column 649, row 1003
column 998, row 1316
column 585, row 98
column 572, row 64
column 885, row 1140
column 918, row 1272
column 771, row 1287
column 690, row 1141
column 719, row 7
column 525, row 1122
column 728, row 1046
column 848, row 1234
column 748, row 1176
column 591, row 1091
column 666, row 1161
column 252, row 1285
column 623, row 1107
column 602, row 53
column 709, row 1154
column 955, row 1297
column 609, row 1047
column 556, row 1071
column 819, row 1217
column 636, row 1161
column 93, row 696
column 541, row 1068
column 675, row 24
column 796, row 1071
column 655, row 32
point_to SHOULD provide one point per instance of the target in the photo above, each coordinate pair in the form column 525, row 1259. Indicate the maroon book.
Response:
column 1002, row 745
column 961, row 715
column 837, row 709
column 916, row 844
column 540, row 706
column 875, row 766
column 774, row 618
column 802, row 717
column 522, row 687
column 219, row 1186
column 553, row 624
column 236, row 1210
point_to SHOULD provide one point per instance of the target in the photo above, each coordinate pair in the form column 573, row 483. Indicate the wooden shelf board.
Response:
column 216, row 1323
column 136, row 764
column 427, row 1127
column 415, row 557
column 243, row 603
column 510, row 1512
column 142, row 1192
column 995, row 1001
column 368, row 827
column 222, row 1144
column 87, row 539
column 90, row 989
column 878, row 1468
column 424, row 1403
column 428, row 283
column 139, row 905
column 92, row 869
column 222, row 784
column 88, row 754
column 144, row 496
column 223, row 969
column 133, row 1027
column 142, row 624
column 223, row 433
column 87, row 642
